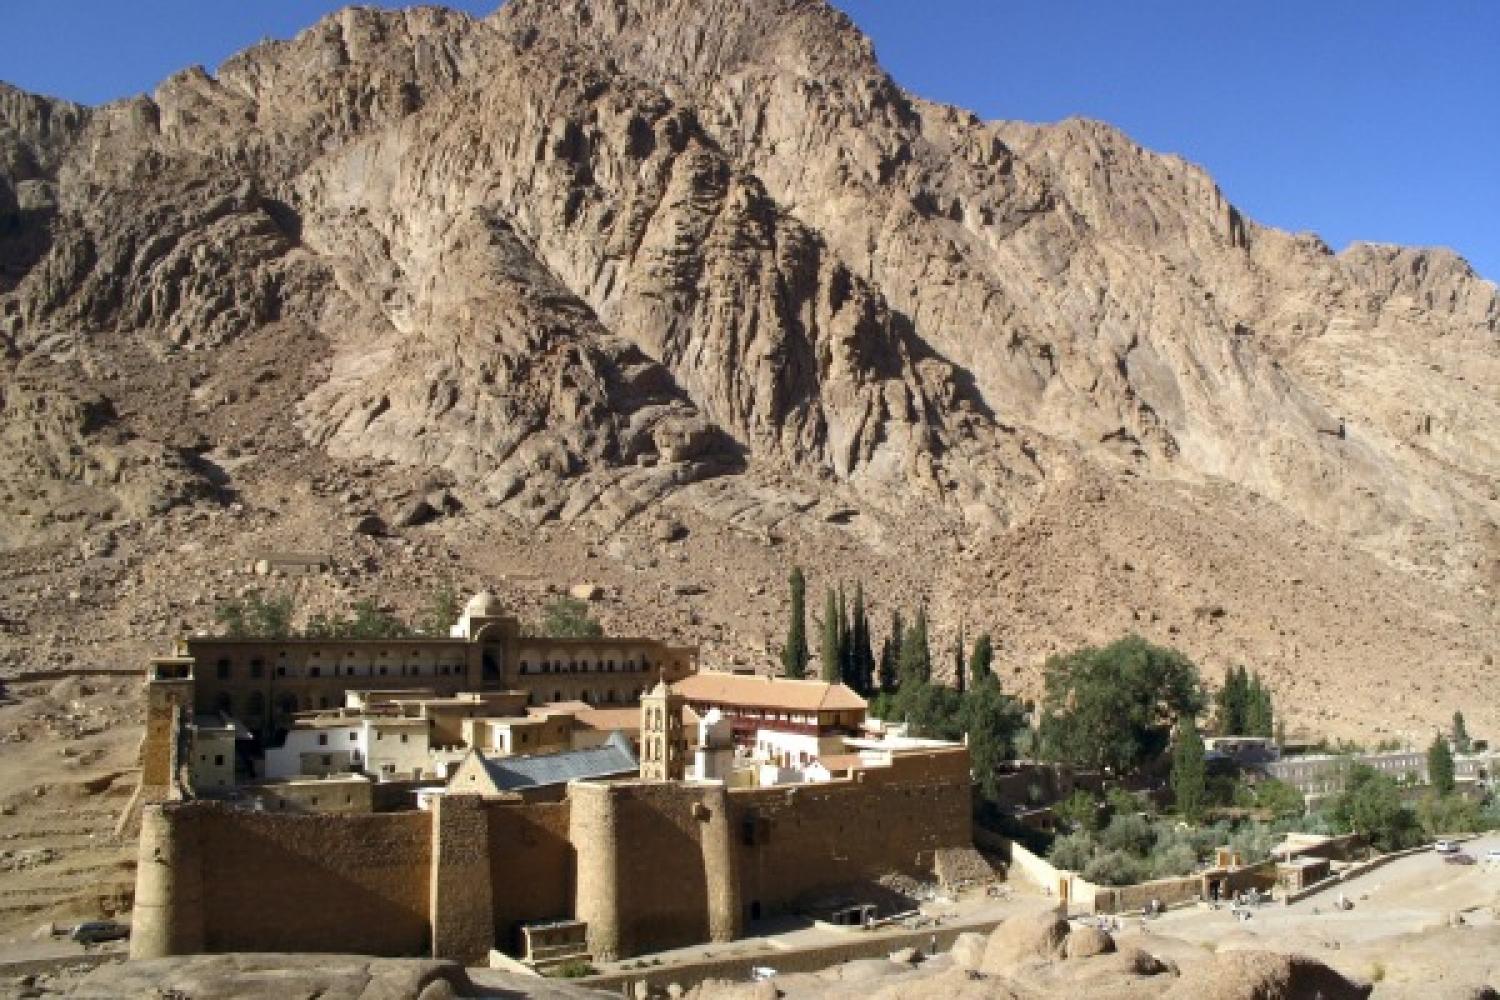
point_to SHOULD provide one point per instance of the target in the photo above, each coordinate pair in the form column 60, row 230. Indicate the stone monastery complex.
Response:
column 548, row 799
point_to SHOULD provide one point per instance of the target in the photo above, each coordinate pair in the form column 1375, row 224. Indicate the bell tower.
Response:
column 662, row 744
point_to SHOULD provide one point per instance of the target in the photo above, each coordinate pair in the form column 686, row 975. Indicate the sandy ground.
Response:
column 69, row 751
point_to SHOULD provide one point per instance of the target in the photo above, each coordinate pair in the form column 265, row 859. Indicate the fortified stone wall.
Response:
column 647, row 865
column 214, row 879
column 655, row 865
column 532, row 865
column 805, row 840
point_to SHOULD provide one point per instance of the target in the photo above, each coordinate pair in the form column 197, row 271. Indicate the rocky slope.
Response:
column 609, row 271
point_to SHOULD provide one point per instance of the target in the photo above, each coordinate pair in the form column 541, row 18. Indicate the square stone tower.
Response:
column 663, row 747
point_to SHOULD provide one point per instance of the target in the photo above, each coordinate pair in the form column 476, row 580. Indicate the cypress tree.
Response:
column 794, row 653
column 960, row 669
column 1461, row 741
column 1440, row 766
column 890, row 668
column 830, row 657
column 1232, row 702
column 981, row 660
column 915, row 663
column 1189, row 772
column 862, row 676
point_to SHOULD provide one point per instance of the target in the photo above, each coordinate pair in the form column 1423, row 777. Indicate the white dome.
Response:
column 483, row 605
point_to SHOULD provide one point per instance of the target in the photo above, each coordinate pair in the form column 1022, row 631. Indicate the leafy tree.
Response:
column 1440, row 814
column 1189, row 770
column 1073, row 851
column 372, row 623
column 1129, row 832
column 1115, row 868
column 830, row 654
column 257, row 617
column 1371, row 806
column 1279, row 798
column 991, row 720
column 915, row 663
column 1461, row 741
column 982, row 659
column 890, row 655
column 794, row 654
column 932, row 711
column 1079, row 811
column 442, row 610
column 1440, row 766
column 1113, row 707
column 568, row 617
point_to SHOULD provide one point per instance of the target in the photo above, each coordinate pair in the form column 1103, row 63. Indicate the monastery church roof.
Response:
column 763, row 691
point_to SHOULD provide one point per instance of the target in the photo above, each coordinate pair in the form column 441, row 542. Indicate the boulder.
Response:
column 905, row 956
column 370, row 524
column 1038, row 936
column 968, row 950
column 1264, row 975
column 585, row 591
column 1086, row 942
column 419, row 511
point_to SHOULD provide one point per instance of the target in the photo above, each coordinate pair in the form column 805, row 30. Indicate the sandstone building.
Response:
column 592, row 847
column 265, row 682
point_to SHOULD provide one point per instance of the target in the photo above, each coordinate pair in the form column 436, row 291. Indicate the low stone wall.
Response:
column 809, row 959
column 1354, row 871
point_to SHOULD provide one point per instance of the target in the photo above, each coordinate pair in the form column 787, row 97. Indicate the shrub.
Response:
column 1115, row 868
column 1080, row 811
column 1073, row 851
column 1173, row 860
column 568, row 617
column 1131, row 834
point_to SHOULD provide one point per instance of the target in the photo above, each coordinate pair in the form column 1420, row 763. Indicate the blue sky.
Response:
column 1356, row 119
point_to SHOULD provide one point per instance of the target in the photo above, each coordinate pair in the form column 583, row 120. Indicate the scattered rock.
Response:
column 1019, row 939
column 370, row 524
column 1086, row 942
column 586, row 592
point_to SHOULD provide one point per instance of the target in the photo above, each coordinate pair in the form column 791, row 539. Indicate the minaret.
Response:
column 662, row 743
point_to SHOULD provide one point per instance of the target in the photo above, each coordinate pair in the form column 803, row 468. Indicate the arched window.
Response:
column 223, row 703
column 557, row 696
column 223, row 670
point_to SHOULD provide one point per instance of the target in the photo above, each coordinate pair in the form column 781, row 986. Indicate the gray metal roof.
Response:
column 614, row 757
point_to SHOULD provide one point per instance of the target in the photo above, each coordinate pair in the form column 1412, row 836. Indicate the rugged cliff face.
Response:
column 600, row 263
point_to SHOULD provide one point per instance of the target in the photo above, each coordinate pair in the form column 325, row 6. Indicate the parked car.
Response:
column 95, row 931
column 1493, row 856
column 1445, row 847
column 1460, row 859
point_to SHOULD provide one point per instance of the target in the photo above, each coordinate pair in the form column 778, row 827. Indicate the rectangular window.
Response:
column 257, row 668
column 314, row 671
column 223, row 669
column 280, row 670
column 353, row 736
column 322, row 739
column 218, row 760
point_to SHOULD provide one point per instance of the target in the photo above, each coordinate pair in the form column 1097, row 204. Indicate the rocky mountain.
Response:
column 613, row 272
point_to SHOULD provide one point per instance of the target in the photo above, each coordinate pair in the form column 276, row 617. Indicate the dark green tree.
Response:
column 1114, row 707
column 442, row 610
column 568, row 617
column 1258, row 711
column 1233, row 700
column 960, row 668
column 932, row 711
column 991, row 720
column 915, row 663
column 1189, row 770
column 1461, row 741
column 982, row 659
column 1371, row 806
column 890, row 655
column 862, row 670
column 794, row 652
column 257, row 617
column 1440, row 766
column 831, row 665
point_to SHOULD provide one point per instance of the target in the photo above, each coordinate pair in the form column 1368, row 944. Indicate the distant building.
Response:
column 265, row 683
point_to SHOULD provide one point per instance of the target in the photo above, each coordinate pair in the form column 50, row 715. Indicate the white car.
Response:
column 1445, row 847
